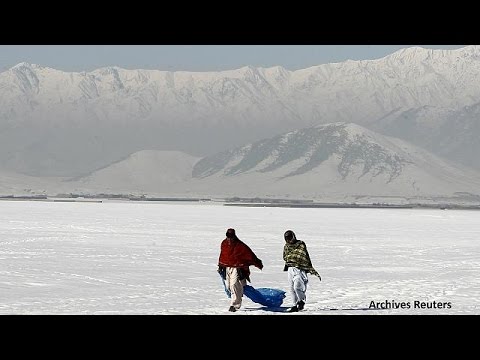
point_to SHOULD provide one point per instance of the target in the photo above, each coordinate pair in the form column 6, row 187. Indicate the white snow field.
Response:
column 161, row 258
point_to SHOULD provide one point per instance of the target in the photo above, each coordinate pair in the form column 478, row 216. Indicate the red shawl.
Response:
column 235, row 253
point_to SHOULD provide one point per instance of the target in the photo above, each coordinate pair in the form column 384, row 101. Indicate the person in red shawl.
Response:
column 233, row 264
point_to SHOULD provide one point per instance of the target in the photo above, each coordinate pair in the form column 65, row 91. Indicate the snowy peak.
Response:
column 417, row 54
column 304, row 150
column 22, row 65
column 25, row 66
column 147, row 170
column 26, row 77
column 333, row 159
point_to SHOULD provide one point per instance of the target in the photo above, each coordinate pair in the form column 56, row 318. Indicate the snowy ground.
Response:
column 158, row 258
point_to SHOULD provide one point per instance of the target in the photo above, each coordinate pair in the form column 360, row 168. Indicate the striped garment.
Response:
column 296, row 255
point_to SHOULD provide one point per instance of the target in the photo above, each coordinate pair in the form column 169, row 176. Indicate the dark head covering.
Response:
column 290, row 236
column 231, row 234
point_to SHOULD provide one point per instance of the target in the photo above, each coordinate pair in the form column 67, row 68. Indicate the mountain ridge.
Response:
column 354, row 161
column 70, row 124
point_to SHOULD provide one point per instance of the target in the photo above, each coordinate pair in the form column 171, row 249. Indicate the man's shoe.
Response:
column 300, row 305
column 232, row 309
column 293, row 309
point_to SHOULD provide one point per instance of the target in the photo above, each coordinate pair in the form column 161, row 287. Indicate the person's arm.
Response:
column 222, row 270
column 259, row 264
column 256, row 261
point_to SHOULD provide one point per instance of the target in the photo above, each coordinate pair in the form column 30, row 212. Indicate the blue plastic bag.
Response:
column 264, row 296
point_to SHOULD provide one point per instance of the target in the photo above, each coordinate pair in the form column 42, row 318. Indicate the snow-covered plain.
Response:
column 161, row 258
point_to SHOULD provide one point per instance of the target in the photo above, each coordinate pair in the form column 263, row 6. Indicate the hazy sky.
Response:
column 191, row 57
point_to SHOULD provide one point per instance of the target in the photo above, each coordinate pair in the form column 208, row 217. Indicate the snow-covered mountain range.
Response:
column 341, row 159
column 55, row 123
column 112, row 128
column 335, row 161
column 150, row 171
